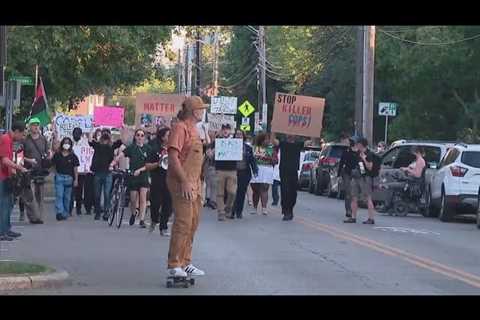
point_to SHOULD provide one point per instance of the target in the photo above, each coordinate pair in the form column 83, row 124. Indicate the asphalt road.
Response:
column 261, row 255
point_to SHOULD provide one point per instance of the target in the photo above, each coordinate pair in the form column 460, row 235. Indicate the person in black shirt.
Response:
column 362, row 180
column 102, row 165
column 290, row 150
column 348, row 162
column 159, row 194
column 66, row 164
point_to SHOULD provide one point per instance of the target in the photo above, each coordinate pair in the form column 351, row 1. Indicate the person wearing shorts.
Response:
column 138, row 183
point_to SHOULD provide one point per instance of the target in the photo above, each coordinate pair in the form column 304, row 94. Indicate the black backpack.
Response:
column 376, row 165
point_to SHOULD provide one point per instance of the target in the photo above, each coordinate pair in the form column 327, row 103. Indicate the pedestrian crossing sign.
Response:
column 246, row 108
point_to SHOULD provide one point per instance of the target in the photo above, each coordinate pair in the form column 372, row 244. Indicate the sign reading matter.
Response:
column 215, row 121
column 228, row 149
column 298, row 115
column 156, row 110
column 64, row 124
column 108, row 116
column 227, row 105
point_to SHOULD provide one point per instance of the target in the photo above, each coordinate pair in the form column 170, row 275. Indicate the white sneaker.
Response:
column 194, row 271
column 176, row 272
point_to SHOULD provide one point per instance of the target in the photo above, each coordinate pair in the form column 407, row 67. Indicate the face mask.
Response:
column 66, row 146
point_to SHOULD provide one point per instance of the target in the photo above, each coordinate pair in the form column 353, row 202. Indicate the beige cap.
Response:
column 194, row 103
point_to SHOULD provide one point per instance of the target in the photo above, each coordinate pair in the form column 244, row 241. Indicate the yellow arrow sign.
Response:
column 246, row 108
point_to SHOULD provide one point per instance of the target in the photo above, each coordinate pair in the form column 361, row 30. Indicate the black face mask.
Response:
column 76, row 138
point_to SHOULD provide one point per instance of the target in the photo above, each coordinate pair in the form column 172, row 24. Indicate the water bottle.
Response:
column 362, row 167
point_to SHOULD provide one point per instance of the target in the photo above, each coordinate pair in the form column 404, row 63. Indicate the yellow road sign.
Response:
column 246, row 108
column 245, row 127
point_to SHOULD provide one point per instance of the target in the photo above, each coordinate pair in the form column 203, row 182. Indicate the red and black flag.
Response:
column 40, row 105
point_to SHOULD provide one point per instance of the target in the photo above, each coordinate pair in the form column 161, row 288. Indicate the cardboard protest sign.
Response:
column 108, row 116
column 215, row 121
column 64, row 124
column 85, row 155
column 226, row 105
column 157, row 110
column 298, row 115
column 228, row 149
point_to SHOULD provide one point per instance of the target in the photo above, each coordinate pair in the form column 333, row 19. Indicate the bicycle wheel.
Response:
column 121, row 207
column 113, row 210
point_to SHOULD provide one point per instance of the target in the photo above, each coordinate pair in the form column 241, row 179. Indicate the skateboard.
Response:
column 184, row 282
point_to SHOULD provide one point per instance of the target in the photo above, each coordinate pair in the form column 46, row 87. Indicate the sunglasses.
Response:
column 140, row 135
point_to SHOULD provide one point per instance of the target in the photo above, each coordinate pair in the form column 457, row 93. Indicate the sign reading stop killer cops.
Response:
column 298, row 115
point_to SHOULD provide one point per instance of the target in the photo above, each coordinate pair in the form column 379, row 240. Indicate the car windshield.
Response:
column 471, row 158
column 337, row 151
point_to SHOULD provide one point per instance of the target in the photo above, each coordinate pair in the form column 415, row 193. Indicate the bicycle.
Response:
column 118, row 200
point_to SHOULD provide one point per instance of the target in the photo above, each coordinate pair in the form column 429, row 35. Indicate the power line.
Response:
column 429, row 43
column 241, row 81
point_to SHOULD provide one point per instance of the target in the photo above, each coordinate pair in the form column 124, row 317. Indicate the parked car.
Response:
column 307, row 158
column 454, row 186
column 323, row 174
column 400, row 156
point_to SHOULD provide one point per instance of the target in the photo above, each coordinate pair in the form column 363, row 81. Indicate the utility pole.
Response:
column 359, row 82
column 262, row 66
column 197, row 63
column 188, row 66
column 179, row 70
column 368, row 81
column 215, row 64
column 3, row 57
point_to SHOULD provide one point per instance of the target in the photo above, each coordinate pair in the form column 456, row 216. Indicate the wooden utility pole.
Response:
column 179, row 70
column 359, row 82
column 197, row 63
column 215, row 64
column 368, row 81
column 262, row 66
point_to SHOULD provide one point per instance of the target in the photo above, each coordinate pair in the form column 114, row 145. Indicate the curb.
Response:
column 46, row 280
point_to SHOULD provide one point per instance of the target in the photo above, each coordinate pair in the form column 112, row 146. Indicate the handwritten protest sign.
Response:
column 228, row 149
column 298, row 115
column 156, row 110
column 108, row 116
column 215, row 121
column 85, row 155
column 226, row 105
column 64, row 124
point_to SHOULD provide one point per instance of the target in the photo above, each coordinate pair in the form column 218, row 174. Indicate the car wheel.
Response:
column 430, row 209
column 317, row 190
column 446, row 212
column 478, row 209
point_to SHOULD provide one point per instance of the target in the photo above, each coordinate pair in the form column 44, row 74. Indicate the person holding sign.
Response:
column 290, row 150
column 245, row 168
column 183, row 180
column 266, row 160
column 84, row 192
column 226, row 172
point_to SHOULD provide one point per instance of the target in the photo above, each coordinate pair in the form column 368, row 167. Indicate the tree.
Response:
column 76, row 61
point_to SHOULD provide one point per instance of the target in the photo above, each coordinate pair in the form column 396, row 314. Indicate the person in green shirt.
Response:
column 138, row 183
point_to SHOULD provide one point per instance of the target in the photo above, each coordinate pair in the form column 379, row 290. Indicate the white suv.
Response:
column 454, row 187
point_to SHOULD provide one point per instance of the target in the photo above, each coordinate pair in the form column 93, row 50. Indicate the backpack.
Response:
column 376, row 165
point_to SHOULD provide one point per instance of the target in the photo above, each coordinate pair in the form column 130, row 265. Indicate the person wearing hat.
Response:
column 37, row 157
column 185, row 159
column 226, row 174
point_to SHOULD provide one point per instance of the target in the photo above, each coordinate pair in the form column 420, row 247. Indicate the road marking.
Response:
column 422, row 262
column 406, row 230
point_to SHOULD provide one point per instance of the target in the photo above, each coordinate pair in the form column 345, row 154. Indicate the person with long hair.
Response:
column 245, row 168
column 265, row 157
column 138, row 184
column 159, row 194
column 66, row 164
column 184, row 183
